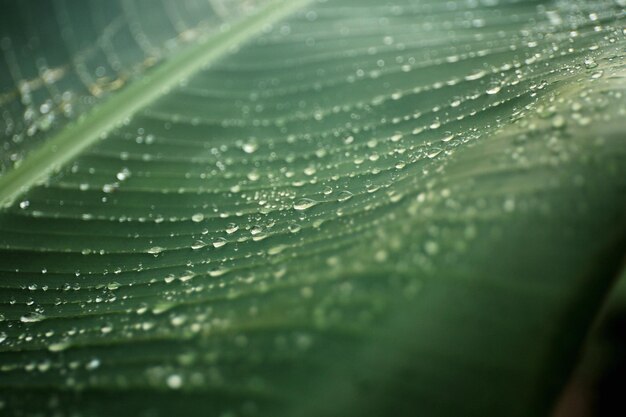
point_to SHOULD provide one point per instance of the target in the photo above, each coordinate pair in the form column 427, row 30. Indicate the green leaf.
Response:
column 330, row 208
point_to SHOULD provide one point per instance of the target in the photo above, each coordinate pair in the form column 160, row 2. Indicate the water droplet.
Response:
column 590, row 63
column 250, row 147
column 433, row 153
column 186, row 276
column 198, row 244
column 219, row 242
column 448, row 137
column 174, row 381
column 107, row 328
column 155, row 250
column 231, row 228
column 431, row 247
column 275, row 250
column 32, row 317
column 494, row 89
column 344, row 196
column 558, row 121
column 123, row 174
column 217, row 271
column 476, row 75
column 509, row 205
column 597, row 75
column 197, row 218
column 92, row 364
column 304, row 203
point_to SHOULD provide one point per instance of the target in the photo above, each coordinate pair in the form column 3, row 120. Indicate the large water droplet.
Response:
column 304, row 203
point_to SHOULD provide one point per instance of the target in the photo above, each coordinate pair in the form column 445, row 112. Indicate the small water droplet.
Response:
column 476, row 75
column 590, row 63
column 174, row 381
column 494, row 89
column 92, row 364
column 107, row 328
column 155, row 250
column 231, row 228
column 250, row 147
column 198, row 244
column 431, row 247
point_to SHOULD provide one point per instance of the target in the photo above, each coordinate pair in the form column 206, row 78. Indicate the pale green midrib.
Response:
column 74, row 138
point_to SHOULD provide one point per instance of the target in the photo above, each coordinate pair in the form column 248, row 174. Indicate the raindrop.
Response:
column 590, row 63
column 494, row 89
column 431, row 247
column 250, row 147
column 231, row 228
column 304, row 203
column 219, row 242
column 32, row 317
column 476, row 75
column 155, row 250
column 174, row 381
column 92, row 364
column 198, row 244
column 344, row 196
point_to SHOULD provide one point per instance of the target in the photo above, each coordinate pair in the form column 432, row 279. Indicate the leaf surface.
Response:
column 407, row 208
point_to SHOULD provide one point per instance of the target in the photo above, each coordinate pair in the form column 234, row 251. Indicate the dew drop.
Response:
column 58, row 347
column 198, row 244
column 155, row 250
column 174, row 381
column 32, row 317
column 431, row 247
column 197, row 218
column 590, row 63
column 250, row 147
column 231, row 228
column 344, row 196
column 304, row 203
column 494, row 89
column 92, row 364
column 219, row 242
column 107, row 328
column 476, row 75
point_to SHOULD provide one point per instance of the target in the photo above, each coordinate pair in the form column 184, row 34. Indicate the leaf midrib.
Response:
column 79, row 135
